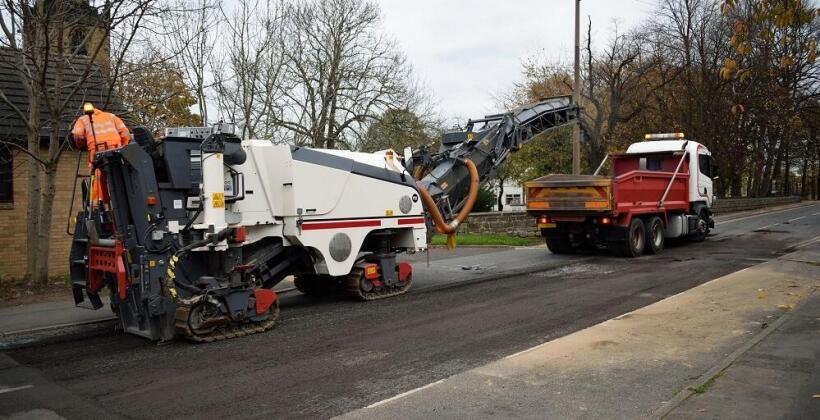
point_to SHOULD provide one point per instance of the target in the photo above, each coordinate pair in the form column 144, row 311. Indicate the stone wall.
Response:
column 519, row 223
column 728, row 205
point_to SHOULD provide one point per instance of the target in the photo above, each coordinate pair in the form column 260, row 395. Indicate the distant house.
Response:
column 14, row 194
column 512, row 197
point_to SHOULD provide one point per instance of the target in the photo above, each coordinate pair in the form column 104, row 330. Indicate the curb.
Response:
column 724, row 364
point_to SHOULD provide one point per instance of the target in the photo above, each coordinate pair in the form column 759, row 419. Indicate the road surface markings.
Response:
column 796, row 219
column 404, row 394
column 764, row 214
column 4, row 390
column 806, row 243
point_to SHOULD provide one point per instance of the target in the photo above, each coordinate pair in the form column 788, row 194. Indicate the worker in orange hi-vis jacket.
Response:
column 98, row 131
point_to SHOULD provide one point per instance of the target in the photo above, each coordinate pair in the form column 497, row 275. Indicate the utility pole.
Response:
column 576, row 93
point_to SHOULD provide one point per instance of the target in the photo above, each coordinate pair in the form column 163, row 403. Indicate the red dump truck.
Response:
column 660, row 188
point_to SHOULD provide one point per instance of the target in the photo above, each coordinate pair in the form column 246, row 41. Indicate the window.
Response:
column 705, row 164
column 76, row 42
column 513, row 200
column 6, row 178
column 654, row 164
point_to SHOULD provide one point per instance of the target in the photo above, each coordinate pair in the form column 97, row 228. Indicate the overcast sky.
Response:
column 470, row 51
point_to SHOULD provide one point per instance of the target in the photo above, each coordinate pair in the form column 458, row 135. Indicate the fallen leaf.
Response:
column 786, row 307
column 816, row 396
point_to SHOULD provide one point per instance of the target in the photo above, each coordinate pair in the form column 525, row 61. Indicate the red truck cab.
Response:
column 658, row 189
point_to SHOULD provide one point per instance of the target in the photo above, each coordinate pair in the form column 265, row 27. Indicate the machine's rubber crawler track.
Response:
column 351, row 284
column 231, row 330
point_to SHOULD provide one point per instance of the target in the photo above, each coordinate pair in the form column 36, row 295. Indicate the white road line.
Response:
column 765, row 214
column 806, row 243
column 404, row 394
column 19, row 388
column 796, row 219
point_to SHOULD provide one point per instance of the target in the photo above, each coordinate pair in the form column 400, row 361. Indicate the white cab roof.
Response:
column 655, row 146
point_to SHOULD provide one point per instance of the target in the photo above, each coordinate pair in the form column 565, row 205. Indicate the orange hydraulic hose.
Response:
column 441, row 225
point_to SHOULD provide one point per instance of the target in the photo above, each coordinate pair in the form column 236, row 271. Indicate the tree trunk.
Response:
column 787, row 188
column 43, row 248
column 33, row 210
column 500, row 195
column 803, row 177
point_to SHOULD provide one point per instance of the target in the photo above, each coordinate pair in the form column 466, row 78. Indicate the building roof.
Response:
column 94, row 89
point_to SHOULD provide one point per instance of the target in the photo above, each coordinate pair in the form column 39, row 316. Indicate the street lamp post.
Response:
column 576, row 93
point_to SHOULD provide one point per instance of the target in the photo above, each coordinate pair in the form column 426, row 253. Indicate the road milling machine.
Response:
column 195, row 230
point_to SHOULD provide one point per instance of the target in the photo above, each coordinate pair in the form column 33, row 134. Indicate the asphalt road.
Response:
column 329, row 356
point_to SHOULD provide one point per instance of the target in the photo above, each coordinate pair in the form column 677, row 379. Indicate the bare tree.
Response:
column 619, row 83
column 341, row 72
column 193, row 38
column 53, row 62
column 249, row 79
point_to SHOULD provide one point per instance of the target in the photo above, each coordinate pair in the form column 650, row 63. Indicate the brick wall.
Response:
column 13, row 219
column 520, row 224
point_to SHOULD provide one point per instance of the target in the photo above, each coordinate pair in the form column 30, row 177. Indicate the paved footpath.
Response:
column 744, row 345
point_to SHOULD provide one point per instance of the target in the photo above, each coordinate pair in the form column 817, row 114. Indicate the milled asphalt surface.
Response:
column 328, row 357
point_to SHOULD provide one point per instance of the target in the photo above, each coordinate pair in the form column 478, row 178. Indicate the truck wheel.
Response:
column 635, row 239
column 654, row 235
column 701, row 227
column 560, row 245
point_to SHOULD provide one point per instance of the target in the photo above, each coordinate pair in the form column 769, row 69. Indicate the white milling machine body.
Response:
column 198, row 228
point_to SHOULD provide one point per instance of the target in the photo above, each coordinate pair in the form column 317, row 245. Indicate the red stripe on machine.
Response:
column 412, row 221
column 339, row 225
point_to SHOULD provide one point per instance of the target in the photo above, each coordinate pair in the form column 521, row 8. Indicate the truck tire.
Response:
column 635, row 241
column 560, row 245
column 701, row 227
column 655, row 235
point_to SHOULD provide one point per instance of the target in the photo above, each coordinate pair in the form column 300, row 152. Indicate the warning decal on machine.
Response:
column 218, row 200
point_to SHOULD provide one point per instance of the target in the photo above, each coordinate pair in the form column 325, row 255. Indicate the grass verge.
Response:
column 700, row 389
column 470, row 239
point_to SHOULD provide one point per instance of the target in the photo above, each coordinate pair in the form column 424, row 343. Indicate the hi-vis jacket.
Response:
column 108, row 132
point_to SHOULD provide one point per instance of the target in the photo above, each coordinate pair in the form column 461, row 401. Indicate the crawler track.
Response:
column 229, row 329
column 352, row 287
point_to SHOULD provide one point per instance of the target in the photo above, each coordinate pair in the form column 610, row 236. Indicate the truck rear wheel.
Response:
column 654, row 235
column 635, row 241
column 560, row 245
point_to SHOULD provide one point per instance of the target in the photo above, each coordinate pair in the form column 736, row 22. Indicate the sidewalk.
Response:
column 744, row 345
column 778, row 378
column 31, row 317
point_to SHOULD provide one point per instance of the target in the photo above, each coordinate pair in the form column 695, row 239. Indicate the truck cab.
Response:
column 659, row 188
column 701, row 165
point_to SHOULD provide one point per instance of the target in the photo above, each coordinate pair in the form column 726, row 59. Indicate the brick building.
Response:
column 14, row 164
